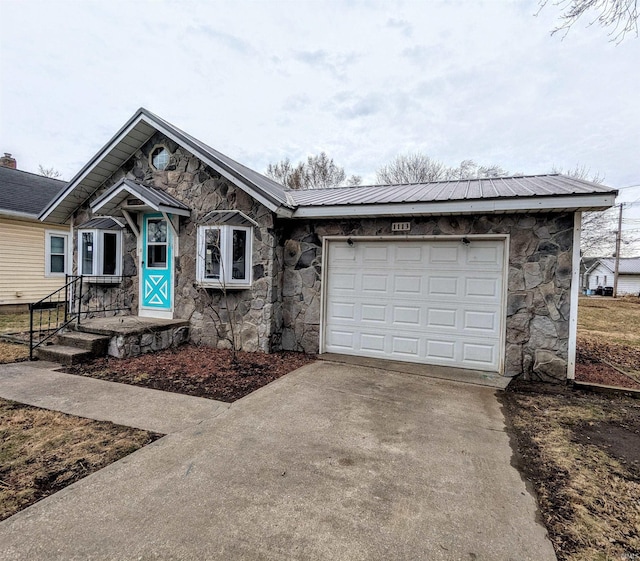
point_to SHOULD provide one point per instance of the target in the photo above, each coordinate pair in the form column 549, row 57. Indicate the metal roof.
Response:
column 507, row 194
column 102, row 223
column 230, row 217
column 452, row 190
column 129, row 139
column 626, row 266
column 117, row 197
column 24, row 193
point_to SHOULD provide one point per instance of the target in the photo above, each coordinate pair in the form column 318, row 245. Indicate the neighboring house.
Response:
column 585, row 265
column 478, row 274
column 34, row 256
column 601, row 274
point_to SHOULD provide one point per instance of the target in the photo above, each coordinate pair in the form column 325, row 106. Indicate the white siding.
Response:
column 22, row 261
column 629, row 284
column 597, row 277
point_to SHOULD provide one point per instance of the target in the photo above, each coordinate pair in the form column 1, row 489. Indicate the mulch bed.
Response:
column 596, row 364
column 196, row 370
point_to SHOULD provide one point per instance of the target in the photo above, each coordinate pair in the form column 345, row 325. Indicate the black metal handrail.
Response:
column 81, row 296
column 53, row 313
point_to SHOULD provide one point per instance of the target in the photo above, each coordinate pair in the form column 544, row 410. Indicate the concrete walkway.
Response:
column 330, row 462
column 37, row 383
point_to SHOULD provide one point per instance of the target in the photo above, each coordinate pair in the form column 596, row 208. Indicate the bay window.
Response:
column 224, row 256
column 100, row 252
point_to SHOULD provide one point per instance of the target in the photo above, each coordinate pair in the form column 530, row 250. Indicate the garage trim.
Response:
column 326, row 240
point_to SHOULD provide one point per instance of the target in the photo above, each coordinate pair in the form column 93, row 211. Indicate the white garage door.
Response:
column 434, row 302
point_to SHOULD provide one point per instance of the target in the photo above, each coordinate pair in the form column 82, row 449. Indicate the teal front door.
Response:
column 156, row 279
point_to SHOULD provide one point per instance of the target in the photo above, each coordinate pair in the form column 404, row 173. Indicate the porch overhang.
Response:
column 130, row 196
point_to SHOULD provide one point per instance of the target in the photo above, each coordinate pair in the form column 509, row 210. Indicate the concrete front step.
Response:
column 63, row 354
column 97, row 344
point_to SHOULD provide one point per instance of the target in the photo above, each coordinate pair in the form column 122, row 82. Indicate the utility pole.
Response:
column 618, row 240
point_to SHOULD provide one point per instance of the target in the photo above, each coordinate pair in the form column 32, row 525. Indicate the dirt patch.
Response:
column 197, row 371
column 43, row 451
column 620, row 439
column 580, row 452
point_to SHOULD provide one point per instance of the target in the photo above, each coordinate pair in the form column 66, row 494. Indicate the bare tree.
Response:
column 469, row 169
column 420, row 168
column 619, row 16
column 51, row 172
column 318, row 172
column 411, row 168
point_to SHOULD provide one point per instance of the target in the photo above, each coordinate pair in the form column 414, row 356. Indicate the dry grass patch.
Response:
column 13, row 323
column 581, row 451
column 12, row 352
column 43, row 451
column 612, row 320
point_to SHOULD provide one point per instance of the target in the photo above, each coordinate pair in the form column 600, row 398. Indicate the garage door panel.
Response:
column 411, row 255
column 478, row 353
column 407, row 284
column 442, row 286
column 427, row 301
column 373, row 312
column 372, row 282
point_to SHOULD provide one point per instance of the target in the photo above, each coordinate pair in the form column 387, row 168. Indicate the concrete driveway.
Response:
column 332, row 462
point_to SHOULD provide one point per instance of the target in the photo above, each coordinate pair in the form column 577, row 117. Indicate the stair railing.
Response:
column 81, row 296
column 54, row 312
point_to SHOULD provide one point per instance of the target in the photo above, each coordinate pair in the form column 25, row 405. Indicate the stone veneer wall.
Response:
column 255, row 314
column 539, row 281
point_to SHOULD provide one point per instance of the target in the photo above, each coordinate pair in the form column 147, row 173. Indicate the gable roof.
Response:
column 626, row 266
column 509, row 194
column 111, row 201
column 502, row 194
column 26, row 194
column 129, row 139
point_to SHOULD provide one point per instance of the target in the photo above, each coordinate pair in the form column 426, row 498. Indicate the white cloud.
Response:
column 362, row 80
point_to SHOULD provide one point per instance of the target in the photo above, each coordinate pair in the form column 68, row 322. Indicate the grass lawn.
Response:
column 12, row 352
column 611, row 320
column 43, row 451
column 12, row 323
column 581, row 452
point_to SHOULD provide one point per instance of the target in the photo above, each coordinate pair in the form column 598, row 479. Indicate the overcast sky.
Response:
column 363, row 81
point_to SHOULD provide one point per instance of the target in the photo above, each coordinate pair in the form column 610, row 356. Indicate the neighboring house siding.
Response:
column 600, row 276
column 539, row 281
column 629, row 284
column 22, row 261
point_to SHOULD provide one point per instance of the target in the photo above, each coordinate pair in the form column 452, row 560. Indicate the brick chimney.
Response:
column 8, row 162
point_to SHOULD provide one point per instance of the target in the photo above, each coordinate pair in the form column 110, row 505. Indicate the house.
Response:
column 34, row 255
column 601, row 274
column 476, row 274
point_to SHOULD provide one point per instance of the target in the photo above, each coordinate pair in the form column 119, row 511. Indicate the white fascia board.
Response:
column 73, row 184
column 475, row 206
column 173, row 210
column 249, row 190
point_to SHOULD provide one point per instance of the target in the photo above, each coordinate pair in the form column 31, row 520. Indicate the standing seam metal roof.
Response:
column 451, row 190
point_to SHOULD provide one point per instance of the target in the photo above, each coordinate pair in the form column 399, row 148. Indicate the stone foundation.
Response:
column 134, row 344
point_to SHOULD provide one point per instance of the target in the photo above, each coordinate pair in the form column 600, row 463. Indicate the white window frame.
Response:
column 47, row 253
column 98, row 254
column 226, row 279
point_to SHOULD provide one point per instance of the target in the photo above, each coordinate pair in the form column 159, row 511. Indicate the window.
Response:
column 224, row 256
column 56, row 254
column 160, row 158
column 157, row 243
column 604, row 281
column 100, row 252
